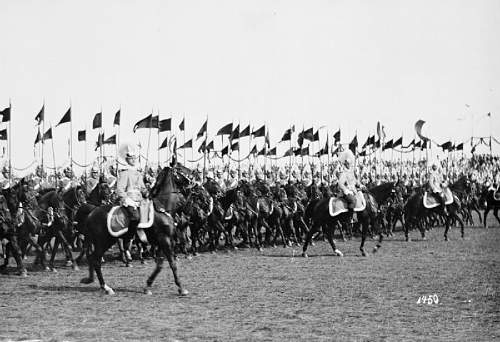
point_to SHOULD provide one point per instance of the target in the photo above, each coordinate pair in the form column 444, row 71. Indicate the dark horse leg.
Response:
column 166, row 246
column 100, row 245
column 310, row 233
column 329, row 229
column 13, row 247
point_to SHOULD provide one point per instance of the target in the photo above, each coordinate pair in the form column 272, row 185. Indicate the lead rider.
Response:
column 130, row 187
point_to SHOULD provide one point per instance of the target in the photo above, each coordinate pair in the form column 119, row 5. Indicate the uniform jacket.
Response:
column 347, row 182
column 130, row 185
column 435, row 181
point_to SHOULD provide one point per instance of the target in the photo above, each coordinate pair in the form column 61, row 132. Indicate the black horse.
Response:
column 490, row 199
column 318, row 212
column 416, row 213
column 165, row 194
column 8, row 234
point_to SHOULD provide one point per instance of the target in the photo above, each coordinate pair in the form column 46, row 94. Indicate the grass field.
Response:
column 275, row 295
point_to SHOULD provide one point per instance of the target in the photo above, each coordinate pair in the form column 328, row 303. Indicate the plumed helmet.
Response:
column 348, row 156
column 128, row 150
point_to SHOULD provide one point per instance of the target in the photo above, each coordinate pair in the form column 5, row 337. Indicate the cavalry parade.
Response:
column 221, row 202
column 249, row 170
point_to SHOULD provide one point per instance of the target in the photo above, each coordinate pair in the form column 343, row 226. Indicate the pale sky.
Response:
column 344, row 64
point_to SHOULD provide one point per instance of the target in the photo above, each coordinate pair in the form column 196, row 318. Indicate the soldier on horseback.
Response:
column 435, row 184
column 347, row 180
column 130, row 187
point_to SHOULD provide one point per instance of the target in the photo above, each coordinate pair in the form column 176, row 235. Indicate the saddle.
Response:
column 118, row 220
column 430, row 201
column 338, row 205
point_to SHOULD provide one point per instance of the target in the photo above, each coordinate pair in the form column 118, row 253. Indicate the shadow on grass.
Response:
column 89, row 288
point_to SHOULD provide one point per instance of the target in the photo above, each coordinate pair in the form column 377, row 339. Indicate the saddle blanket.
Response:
column 430, row 201
column 338, row 205
column 496, row 195
column 118, row 220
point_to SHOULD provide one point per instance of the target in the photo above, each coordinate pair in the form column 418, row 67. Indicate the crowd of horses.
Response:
column 189, row 218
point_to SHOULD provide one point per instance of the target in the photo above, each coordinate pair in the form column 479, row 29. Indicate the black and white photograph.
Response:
column 232, row 170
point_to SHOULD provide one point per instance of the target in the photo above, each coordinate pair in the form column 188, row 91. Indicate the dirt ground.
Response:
column 275, row 295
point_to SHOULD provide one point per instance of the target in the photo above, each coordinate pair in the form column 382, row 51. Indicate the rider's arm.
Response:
column 121, row 185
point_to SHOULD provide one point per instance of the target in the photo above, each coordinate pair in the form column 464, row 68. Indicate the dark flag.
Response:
column 100, row 141
column 460, row 147
column 308, row 134
column 97, row 122
column 371, row 140
column 300, row 139
column 116, row 121
column 181, row 125
column 187, row 144
column 260, row 132
column 165, row 125
column 305, row 151
column 5, row 114
column 354, row 144
column 155, row 122
column 203, row 146
column 316, row 136
column 48, row 135
column 226, row 130
column 254, row 149
column 336, row 137
column 398, row 142
column 424, row 144
column 362, row 153
column 202, row 130
column 164, row 143
column 82, row 135
column 40, row 116
column 287, row 136
column 262, row 152
column 272, row 152
column 66, row 117
column 3, row 134
column 297, row 151
column 446, row 146
column 111, row 140
column 387, row 145
column 38, row 137
column 367, row 143
column 245, row 132
column 418, row 144
column 289, row 152
column 147, row 122
column 225, row 151
column 235, row 146
column 235, row 134
column 210, row 146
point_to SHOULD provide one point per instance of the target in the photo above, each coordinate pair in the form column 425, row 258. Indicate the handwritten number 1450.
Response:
column 432, row 299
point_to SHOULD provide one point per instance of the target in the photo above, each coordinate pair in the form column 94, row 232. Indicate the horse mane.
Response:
column 382, row 191
column 459, row 185
column 160, row 179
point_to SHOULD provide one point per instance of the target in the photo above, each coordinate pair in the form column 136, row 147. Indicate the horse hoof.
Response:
column 446, row 238
column 147, row 291
column 143, row 262
column 424, row 238
column 47, row 269
column 304, row 254
column 261, row 249
column 23, row 273
column 87, row 281
column 108, row 290
column 76, row 268
column 363, row 253
column 128, row 265
column 69, row 263
column 54, row 270
column 183, row 292
column 339, row 253
column 235, row 248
